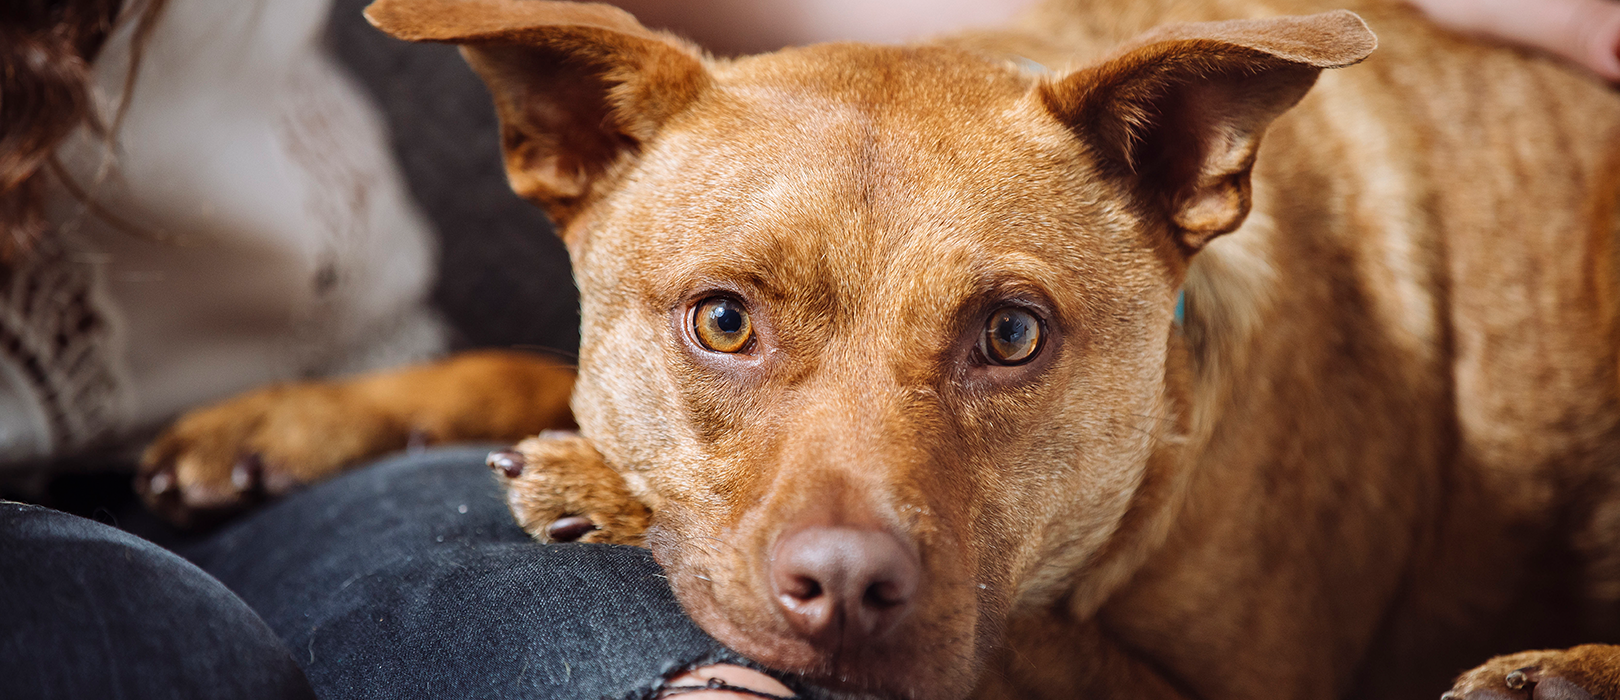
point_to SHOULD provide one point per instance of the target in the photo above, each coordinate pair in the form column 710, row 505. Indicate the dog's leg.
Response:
column 560, row 490
column 1590, row 672
column 220, row 458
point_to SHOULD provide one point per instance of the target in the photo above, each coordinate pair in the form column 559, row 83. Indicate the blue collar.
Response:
column 1181, row 308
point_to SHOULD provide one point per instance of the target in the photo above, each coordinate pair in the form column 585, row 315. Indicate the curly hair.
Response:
column 46, row 48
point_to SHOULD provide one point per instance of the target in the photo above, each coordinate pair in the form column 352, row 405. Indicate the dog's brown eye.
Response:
column 722, row 325
column 1011, row 336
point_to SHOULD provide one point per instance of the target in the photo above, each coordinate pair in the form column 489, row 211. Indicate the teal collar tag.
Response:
column 1030, row 65
column 1181, row 308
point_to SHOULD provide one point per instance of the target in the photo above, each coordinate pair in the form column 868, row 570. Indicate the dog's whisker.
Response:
column 546, row 350
column 1161, row 419
column 1155, row 435
column 1164, row 430
column 714, row 542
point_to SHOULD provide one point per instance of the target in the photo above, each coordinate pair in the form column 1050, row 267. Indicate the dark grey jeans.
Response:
column 88, row 611
column 405, row 579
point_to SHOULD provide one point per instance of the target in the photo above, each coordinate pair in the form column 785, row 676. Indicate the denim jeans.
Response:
column 88, row 611
column 405, row 579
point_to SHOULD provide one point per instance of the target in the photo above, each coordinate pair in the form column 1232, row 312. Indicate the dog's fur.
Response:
column 216, row 460
column 1381, row 447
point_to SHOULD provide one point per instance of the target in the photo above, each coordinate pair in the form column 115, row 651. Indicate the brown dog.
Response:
column 880, row 345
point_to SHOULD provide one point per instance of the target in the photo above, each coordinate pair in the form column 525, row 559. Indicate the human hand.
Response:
column 1585, row 32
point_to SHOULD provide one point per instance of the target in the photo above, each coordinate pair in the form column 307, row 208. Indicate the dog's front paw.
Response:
column 1590, row 672
column 560, row 490
column 217, row 460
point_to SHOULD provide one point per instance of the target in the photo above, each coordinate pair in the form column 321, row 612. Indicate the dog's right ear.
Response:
column 579, row 88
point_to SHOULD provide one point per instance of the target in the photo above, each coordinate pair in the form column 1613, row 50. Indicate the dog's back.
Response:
column 1431, row 269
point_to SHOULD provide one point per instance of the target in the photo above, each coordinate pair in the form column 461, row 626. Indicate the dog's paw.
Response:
column 219, row 459
column 1590, row 672
column 560, row 490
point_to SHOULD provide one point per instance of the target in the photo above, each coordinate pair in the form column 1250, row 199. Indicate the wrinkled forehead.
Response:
column 846, row 165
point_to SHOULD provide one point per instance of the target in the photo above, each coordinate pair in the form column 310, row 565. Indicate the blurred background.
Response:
column 504, row 279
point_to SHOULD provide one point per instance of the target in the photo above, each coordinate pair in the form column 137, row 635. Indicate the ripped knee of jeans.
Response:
column 718, row 675
column 717, row 685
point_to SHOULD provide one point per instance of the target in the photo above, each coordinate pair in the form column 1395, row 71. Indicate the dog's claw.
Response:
column 507, row 462
column 248, row 472
column 560, row 490
column 418, row 440
column 161, row 482
column 569, row 529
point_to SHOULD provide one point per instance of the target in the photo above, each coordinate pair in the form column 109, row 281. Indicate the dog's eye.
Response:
column 1011, row 337
column 722, row 325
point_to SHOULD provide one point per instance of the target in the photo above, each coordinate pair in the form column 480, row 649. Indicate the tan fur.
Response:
column 218, row 459
column 565, row 476
column 1593, row 668
column 1382, row 448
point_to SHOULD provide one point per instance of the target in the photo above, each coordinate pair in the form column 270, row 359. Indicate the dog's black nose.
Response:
column 841, row 585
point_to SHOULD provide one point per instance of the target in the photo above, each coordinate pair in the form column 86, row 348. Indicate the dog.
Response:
column 1019, row 364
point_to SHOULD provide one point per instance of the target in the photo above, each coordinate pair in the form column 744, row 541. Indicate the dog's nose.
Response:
column 841, row 585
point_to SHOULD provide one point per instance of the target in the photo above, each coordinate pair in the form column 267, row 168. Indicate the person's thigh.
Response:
column 88, row 611
column 409, row 579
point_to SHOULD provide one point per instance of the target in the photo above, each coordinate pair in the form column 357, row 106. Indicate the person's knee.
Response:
column 94, row 611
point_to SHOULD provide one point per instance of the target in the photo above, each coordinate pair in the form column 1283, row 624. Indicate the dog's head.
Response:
column 887, row 332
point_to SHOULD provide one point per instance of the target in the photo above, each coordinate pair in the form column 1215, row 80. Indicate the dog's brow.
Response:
column 1015, row 270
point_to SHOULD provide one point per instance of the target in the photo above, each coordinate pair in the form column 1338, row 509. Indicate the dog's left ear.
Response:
column 1179, row 112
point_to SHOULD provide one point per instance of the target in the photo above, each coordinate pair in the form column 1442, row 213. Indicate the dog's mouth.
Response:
column 850, row 610
column 909, row 665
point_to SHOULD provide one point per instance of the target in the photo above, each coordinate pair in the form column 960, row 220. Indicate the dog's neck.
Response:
column 1228, row 291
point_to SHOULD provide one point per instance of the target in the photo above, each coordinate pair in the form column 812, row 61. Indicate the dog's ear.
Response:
column 1179, row 112
column 579, row 88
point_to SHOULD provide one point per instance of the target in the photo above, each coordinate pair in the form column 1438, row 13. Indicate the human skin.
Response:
column 1585, row 32
column 731, row 675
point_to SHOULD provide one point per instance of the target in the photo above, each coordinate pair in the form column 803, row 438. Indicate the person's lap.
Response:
column 408, row 578
column 88, row 611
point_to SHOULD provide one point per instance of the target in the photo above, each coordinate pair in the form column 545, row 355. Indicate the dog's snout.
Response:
column 845, row 586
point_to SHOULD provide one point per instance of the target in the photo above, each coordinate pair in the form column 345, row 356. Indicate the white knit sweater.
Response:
column 259, row 232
